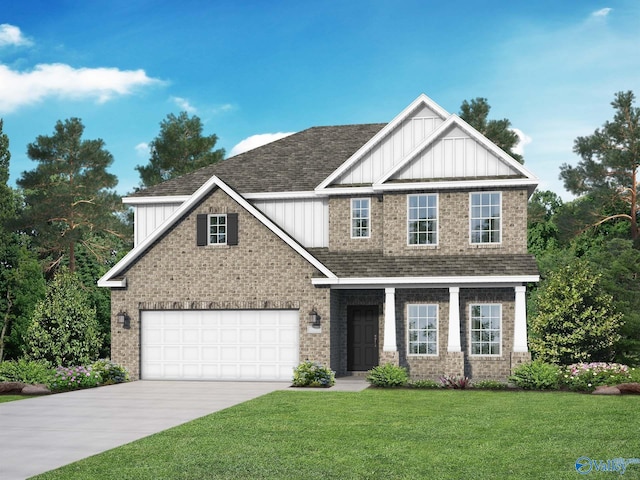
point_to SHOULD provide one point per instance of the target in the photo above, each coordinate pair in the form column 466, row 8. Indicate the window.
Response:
column 485, row 217
column 423, row 329
column 217, row 229
column 422, row 219
column 486, row 320
column 360, row 218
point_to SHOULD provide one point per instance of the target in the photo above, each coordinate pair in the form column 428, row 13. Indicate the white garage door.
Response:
column 219, row 345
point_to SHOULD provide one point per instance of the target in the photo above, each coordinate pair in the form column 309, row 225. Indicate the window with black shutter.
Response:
column 216, row 229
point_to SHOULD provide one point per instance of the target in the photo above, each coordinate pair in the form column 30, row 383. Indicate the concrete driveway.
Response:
column 43, row 433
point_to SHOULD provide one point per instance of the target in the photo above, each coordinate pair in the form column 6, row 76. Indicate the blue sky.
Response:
column 250, row 68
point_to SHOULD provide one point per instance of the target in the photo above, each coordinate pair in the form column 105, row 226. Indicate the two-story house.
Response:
column 350, row 246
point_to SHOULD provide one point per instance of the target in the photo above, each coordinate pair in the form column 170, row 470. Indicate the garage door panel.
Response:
column 219, row 345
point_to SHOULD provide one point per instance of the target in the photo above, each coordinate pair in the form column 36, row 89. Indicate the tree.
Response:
column 476, row 114
column 575, row 320
column 64, row 330
column 542, row 231
column 609, row 163
column 179, row 148
column 69, row 195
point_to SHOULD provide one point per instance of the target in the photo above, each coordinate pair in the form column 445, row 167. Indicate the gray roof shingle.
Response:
column 298, row 162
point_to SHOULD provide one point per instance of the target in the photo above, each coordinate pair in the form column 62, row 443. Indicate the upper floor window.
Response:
column 217, row 229
column 422, row 329
column 422, row 219
column 360, row 218
column 486, row 320
column 486, row 213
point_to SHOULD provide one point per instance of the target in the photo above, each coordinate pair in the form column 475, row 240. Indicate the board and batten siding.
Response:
column 305, row 219
column 150, row 217
column 388, row 153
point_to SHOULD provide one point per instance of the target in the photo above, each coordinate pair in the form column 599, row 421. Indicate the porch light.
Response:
column 123, row 319
column 314, row 318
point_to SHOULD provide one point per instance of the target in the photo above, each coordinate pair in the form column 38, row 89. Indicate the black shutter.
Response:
column 202, row 223
column 232, row 229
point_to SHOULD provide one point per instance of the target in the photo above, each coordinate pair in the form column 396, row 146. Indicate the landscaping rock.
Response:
column 606, row 390
column 12, row 387
column 629, row 388
column 36, row 390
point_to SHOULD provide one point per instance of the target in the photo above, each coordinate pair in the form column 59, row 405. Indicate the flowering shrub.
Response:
column 110, row 372
column 585, row 377
column 309, row 374
column 424, row 384
column 74, row 378
column 490, row 385
column 456, row 382
column 388, row 375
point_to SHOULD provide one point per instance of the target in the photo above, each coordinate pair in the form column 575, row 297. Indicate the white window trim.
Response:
column 368, row 218
column 486, row 355
column 471, row 242
column 437, row 331
column 226, row 224
column 425, row 245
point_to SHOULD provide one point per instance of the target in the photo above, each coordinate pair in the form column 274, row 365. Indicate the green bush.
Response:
column 309, row 374
column 490, row 385
column 74, row 378
column 388, row 375
column 536, row 375
column 110, row 372
column 26, row 371
column 634, row 374
column 424, row 384
column 585, row 377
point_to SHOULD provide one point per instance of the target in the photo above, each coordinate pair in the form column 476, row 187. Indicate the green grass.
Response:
column 11, row 398
column 384, row 434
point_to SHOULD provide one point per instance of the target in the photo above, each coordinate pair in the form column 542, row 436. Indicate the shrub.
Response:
column 536, row 375
column 110, row 372
column 424, row 384
column 309, row 374
column 26, row 371
column 388, row 375
column 634, row 374
column 490, row 385
column 74, row 378
column 585, row 377
column 456, row 382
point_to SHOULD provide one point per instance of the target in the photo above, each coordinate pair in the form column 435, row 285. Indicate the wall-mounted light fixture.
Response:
column 314, row 318
column 123, row 319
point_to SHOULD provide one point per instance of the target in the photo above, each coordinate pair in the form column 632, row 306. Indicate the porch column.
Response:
column 520, row 324
column 390, row 344
column 453, row 344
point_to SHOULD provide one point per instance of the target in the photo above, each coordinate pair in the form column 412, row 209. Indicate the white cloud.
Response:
column 142, row 149
column 256, row 141
column 227, row 107
column 62, row 81
column 184, row 105
column 524, row 140
column 603, row 12
column 11, row 35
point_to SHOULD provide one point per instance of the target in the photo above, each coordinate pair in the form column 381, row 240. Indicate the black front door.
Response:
column 362, row 337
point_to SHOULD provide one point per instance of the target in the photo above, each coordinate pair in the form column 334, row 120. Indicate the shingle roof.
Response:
column 375, row 264
column 298, row 162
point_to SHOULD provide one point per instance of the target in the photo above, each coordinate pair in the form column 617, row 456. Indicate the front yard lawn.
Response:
column 384, row 434
column 11, row 398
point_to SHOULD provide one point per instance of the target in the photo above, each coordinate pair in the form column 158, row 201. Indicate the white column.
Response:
column 390, row 344
column 453, row 344
column 520, row 323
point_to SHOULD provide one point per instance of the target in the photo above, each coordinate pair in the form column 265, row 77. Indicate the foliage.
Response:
column 542, row 232
column 64, row 329
column 456, row 382
column 585, row 377
column 490, row 385
column 476, row 114
column 74, row 378
column 610, row 159
column 26, row 371
column 536, row 375
column 427, row 384
column 179, row 148
column 309, row 374
column 388, row 375
column 69, row 195
column 576, row 320
column 109, row 372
